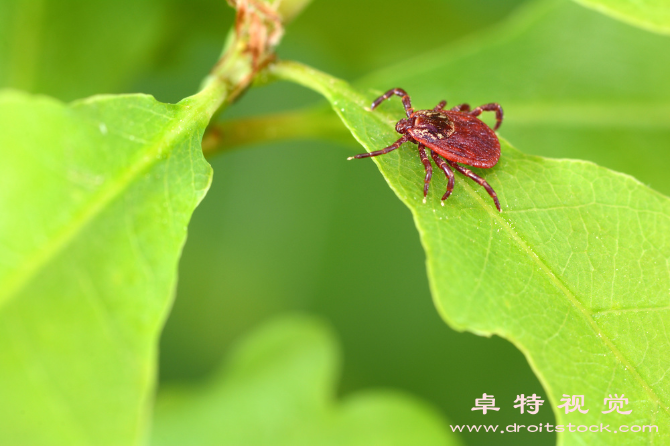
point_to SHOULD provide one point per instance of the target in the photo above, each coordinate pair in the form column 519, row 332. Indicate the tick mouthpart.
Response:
column 403, row 125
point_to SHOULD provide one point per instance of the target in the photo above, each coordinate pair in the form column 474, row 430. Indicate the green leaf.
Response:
column 95, row 200
column 574, row 271
column 653, row 15
column 278, row 388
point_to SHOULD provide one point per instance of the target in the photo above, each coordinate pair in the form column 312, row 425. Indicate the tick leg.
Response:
column 398, row 92
column 440, row 106
column 442, row 164
column 383, row 151
column 462, row 108
column 429, row 170
column 468, row 173
column 490, row 107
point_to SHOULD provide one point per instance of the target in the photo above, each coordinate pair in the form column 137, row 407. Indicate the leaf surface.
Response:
column 95, row 200
column 653, row 15
column 574, row 271
column 278, row 388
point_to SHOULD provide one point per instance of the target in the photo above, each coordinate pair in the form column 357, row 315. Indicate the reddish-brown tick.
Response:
column 453, row 136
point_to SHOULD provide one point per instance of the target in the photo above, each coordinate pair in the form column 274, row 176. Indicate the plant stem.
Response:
column 250, row 47
column 314, row 123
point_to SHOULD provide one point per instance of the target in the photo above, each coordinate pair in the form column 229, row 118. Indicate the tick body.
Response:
column 451, row 136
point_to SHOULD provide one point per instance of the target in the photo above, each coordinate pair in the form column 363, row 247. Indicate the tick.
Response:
column 452, row 136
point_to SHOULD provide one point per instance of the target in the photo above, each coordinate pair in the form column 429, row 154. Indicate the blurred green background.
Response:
column 330, row 237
